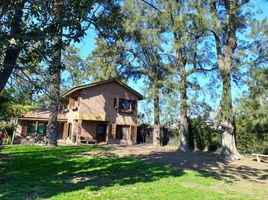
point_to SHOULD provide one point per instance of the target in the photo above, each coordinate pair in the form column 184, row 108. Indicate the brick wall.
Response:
column 99, row 100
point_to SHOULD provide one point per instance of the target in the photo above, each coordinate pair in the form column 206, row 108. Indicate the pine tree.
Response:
column 227, row 20
column 184, row 25
column 75, row 69
column 144, row 33
column 104, row 61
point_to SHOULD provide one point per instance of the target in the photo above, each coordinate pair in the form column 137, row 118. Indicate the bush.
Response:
column 251, row 141
column 246, row 145
column 252, row 132
column 252, row 119
column 202, row 135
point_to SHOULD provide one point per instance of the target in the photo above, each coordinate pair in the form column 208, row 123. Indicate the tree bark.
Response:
column 184, row 124
column 224, row 56
column 54, row 95
column 228, row 148
column 55, row 70
column 156, row 130
column 13, row 51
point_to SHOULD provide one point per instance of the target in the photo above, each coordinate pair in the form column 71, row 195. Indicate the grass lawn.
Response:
column 36, row 172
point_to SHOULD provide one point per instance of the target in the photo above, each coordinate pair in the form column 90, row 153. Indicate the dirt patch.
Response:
column 79, row 179
column 246, row 175
column 208, row 163
column 100, row 153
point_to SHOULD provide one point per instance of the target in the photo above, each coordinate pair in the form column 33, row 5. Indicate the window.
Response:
column 41, row 129
column 125, row 105
column 31, row 128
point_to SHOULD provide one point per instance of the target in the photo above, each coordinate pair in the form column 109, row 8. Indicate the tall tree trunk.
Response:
column 184, row 124
column 228, row 148
column 224, row 56
column 55, row 70
column 52, row 131
column 156, row 130
column 54, row 95
column 12, row 52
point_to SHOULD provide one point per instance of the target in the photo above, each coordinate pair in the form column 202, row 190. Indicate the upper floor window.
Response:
column 73, row 101
column 125, row 105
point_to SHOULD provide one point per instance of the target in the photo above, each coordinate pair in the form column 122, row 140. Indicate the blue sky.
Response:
column 88, row 43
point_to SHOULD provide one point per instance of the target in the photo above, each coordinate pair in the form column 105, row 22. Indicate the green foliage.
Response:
column 104, row 61
column 75, row 68
column 32, row 32
column 252, row 119
column 11, row 106
column 248, row 140
column 168, row 44
column 149, row 54
column 108, row 55
column 203, row 136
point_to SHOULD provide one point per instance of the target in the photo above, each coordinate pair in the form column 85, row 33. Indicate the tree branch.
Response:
column 149, row 4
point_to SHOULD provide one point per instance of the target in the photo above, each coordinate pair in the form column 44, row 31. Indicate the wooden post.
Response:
column 113, row 131
column 78, row 134
column 107, row 133
column 65, row 130
column 15, row 130
column 36, row 127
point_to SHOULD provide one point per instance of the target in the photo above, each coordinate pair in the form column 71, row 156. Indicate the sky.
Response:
column 87, row 45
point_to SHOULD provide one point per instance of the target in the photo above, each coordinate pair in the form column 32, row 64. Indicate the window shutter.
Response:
column 132, row 133
column 134, row 104
column 116, row 103
column 113, row 131
column 71, row 102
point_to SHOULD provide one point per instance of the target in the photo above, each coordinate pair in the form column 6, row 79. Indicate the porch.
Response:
column 38, row 128
column 87, row 132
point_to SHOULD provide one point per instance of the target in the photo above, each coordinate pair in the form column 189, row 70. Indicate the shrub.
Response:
column 202, row 135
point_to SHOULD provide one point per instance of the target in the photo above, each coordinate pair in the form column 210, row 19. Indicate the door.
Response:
column 125, row 132
column 101, row 132
column 65, row 130
column 69, row 130
column 122, row 132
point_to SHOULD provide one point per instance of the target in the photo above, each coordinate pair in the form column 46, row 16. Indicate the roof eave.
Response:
column 140, row 96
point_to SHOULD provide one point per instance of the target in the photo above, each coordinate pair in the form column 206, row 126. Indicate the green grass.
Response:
column 35, row 172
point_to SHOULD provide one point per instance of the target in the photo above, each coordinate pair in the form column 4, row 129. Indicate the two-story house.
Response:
column 104, row 111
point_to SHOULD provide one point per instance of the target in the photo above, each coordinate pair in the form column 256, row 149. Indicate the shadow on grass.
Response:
column 30, row 172
column 208, row 164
